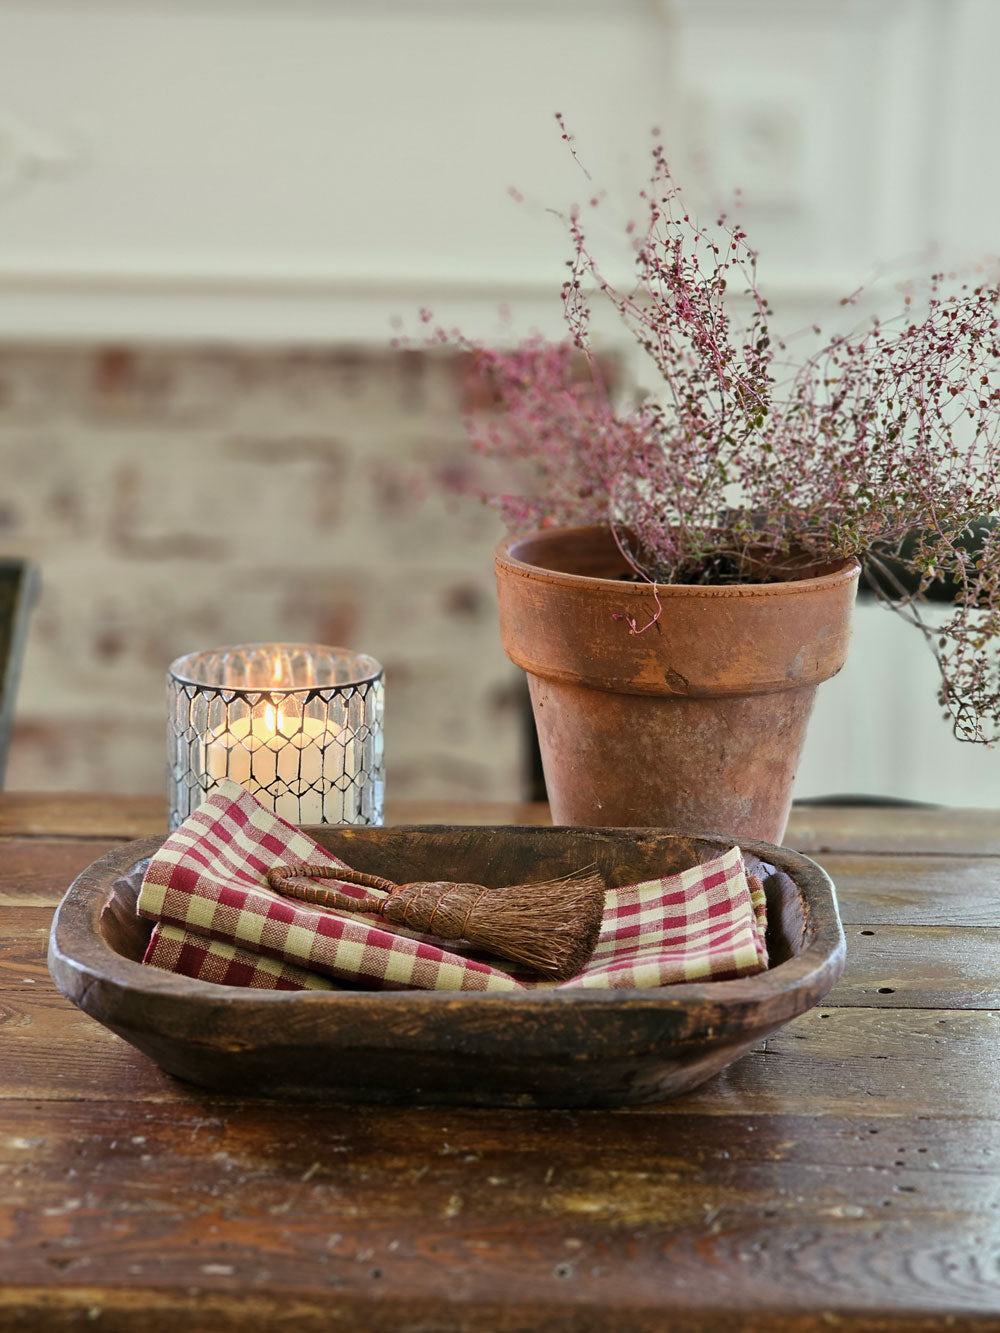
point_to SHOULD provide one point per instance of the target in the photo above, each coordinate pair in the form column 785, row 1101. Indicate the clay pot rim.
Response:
column 840, row 572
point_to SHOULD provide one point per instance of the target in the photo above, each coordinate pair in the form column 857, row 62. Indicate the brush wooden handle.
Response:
column 278, row 876
column 420, row 906
column 550, row 927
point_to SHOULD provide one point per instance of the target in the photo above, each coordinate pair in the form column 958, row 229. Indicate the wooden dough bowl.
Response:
column 537, row 1048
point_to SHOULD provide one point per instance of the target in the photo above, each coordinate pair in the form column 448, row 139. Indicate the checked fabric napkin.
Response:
column 217, row 920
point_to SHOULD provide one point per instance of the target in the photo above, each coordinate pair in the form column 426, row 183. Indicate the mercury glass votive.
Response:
column 299, row 725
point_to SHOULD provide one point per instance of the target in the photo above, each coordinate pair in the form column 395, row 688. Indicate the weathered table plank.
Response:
column 556, row 1207
column 889, row 830
column 932, row 967
column 901, row 1062
column 81, row 815
column 158, row 1310
column 845, row 1174
column 24, row 935
column 114, row 817
column 37, row 871
column 815, row 830
column 941, row 890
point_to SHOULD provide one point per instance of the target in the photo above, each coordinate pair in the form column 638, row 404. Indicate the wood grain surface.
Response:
column 845, row 1174
column 811, row 829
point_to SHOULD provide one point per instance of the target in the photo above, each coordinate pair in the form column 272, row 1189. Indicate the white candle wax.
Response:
column 304, row 754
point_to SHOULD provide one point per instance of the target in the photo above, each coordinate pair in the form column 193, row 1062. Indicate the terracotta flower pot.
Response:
column 695, row 724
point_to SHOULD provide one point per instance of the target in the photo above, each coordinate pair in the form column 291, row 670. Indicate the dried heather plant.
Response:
column 882, row 444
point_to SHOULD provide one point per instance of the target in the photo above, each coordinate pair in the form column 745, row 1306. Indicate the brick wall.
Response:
column 182, row 499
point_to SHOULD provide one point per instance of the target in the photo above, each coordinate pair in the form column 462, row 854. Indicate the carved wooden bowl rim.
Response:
column 101, row 981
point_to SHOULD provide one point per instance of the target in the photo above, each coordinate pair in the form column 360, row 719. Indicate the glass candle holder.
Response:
column 299, row 725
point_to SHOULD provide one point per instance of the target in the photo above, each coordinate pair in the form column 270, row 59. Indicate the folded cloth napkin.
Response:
column 217, row 920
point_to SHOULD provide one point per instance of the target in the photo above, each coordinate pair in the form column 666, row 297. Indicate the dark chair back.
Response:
column 19, row 582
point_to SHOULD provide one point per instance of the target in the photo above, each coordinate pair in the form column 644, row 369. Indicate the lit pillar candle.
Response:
column 306, row 767
column 299, row 725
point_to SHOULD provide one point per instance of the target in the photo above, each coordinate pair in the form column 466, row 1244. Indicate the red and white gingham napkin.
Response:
column 217, row 920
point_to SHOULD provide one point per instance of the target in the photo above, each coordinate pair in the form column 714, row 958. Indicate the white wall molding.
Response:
column 261, row 171
column 271, row 303
column 309, row 170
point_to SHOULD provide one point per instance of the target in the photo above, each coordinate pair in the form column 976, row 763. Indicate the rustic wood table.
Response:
column 844, row 1175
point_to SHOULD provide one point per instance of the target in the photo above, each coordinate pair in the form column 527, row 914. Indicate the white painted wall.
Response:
column 266, row 169
column 304, row 170
column 877, row 730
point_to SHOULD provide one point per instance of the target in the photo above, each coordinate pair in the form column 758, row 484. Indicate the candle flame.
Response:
column 281, row 669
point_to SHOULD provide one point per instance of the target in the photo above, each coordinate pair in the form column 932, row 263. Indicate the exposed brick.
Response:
column 464, row 600
column 136, row 507
column 129, row 385
column 179, row 499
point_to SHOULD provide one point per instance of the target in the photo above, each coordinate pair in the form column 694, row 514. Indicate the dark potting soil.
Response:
column 716, row 571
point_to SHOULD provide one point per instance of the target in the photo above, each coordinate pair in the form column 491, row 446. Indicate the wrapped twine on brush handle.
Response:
column 550, row 928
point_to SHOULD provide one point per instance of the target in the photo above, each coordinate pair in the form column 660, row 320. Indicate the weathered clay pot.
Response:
column 696, row 724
